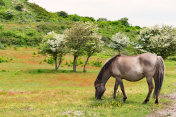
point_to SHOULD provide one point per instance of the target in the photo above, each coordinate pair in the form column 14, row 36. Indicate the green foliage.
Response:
column 1, row 46
column 172, row 58
column 97, row 63
column 34, row 53
column 2, row 3
column 19, row 7
column 21, row 36
column 119, row 41
column 49, row 60
column 53, row 45
column 7, row 15
column 79, row 62
column 75, row 18
column 2, row 59
column 159, row 40
column 42, row 14
column 124, row 21
column 78, row 35
column 62, row 14
column 48, row 27
column 102, row 19
column 69, row 63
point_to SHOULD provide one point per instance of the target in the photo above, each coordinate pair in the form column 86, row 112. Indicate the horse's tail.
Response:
column 159, row 75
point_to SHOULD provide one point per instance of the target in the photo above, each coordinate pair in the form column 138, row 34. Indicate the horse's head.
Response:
column 99, row 89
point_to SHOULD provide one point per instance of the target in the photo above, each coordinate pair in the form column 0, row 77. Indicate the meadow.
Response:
column 31, row 87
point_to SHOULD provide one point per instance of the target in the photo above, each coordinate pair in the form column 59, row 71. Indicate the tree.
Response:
column 102, row 19
column 94, row 45
column 77, row 36
column 159, row 40
column 124, row 21
column 54, row 45
column 62, row 14
column 119, row 41
column 75, row 18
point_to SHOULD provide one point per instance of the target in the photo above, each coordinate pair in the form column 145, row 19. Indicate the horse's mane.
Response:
column 105, row 67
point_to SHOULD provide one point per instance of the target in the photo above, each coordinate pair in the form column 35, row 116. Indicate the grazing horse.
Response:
column 132, row 68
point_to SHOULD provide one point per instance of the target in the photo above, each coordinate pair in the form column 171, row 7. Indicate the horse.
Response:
column 132, row 68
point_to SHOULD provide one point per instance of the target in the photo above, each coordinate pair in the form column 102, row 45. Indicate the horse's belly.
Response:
column 133, row 76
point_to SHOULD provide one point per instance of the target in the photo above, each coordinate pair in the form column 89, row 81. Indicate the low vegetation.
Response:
column 31, row 88
column 33, row 41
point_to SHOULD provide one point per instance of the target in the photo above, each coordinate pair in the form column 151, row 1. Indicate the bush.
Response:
column 49, row 60
column 79, row 62
column 97, row 63
column 21, row 36
column 172, row 58
column 19, row 7
column 2, row 3
column 62, row 14
column 2, row 59
column 8, row 15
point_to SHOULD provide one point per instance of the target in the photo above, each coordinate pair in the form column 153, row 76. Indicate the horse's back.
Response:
column 134, row 68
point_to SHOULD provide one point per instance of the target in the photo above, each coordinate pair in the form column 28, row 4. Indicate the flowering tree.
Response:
column 77, row 37
column 54, row 45
column 93, row 46
column 119, row 41
column 159, row 40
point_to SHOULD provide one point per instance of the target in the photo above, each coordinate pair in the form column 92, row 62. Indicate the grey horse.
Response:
column 132, row 68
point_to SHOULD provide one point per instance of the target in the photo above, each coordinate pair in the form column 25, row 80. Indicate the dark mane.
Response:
column 105, row 67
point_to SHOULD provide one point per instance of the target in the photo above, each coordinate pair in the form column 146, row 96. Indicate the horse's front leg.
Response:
column 115, row 88
column 122, row 88
column 150, row 87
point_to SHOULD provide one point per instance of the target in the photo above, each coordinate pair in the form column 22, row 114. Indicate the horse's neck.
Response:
column 105, row 77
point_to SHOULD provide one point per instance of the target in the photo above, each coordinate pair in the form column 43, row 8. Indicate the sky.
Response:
column 139, row 12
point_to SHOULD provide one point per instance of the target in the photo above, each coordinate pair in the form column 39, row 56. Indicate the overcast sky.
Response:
column 139, row 12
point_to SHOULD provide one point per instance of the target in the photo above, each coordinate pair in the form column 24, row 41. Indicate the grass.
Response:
column 31, row 88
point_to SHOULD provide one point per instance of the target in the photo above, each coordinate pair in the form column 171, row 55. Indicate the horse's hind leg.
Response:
column 115, row 88
column 150, row 86
column 122, row 88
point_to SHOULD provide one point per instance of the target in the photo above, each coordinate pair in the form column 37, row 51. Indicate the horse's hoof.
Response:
column 156, row 102
column 145, row 101
column 124, row 99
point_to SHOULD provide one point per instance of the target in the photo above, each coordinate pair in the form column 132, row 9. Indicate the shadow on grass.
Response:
column 40, row 71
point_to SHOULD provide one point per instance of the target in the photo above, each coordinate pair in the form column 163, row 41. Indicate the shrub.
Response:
column 2, row 59
column 172, row 58
column 19, row 7
column 2, row 3
column 62, row 14
column 79, row 62
column 97, row 63
column 49, row 60
column 8, row 15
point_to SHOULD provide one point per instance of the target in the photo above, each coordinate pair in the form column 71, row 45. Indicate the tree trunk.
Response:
column 119, row 50
column 55, row 59
column 60, row 61
column 84, row 69
column 74, row 63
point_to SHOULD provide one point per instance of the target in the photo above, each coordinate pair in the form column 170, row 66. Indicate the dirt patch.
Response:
column 170, row 111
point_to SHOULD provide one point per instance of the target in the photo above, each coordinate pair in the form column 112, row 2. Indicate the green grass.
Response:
column 28, row 88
